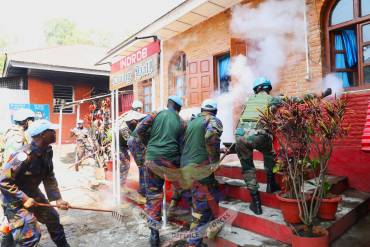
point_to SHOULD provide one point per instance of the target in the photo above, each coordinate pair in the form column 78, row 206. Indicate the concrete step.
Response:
column 271, row 224
column 231, row 236
column 232, row 170
column 236, row 189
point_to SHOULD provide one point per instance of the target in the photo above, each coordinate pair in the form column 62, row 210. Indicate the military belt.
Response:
column 248, row 125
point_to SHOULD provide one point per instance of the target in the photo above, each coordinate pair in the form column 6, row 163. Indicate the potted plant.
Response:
column 288, row 125
column 306, row 130
column 326, row 126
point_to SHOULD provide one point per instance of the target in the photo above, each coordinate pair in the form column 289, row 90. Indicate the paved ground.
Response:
column 89, row 229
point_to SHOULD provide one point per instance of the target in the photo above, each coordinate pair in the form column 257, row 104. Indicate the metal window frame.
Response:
column 65, row 107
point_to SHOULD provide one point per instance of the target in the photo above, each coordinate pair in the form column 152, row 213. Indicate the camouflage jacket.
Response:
column 82, row 136
column 14, row 139
column 202, row 140
column 163, row 134
column 24, row 172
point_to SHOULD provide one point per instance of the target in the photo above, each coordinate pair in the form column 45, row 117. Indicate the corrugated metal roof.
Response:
column 76, row 57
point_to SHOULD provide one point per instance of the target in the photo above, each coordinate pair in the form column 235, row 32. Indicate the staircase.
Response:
column 271, row 224
column 365, row 141
column 269, row 229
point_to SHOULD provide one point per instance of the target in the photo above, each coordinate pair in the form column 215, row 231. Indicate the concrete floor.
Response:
column 88, row 229
column 357, row 236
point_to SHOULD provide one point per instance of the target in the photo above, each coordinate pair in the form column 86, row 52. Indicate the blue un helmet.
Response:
column 263, row 83
column 176, row 99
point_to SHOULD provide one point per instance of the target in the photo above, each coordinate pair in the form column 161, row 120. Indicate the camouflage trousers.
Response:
column 154, row 181
column 248, row 140
column 205, row 197
column 82, row 151
column 124, row 158
column 25, row 230
column 137, row 150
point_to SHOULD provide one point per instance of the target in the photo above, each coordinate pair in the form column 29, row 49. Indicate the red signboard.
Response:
column 136, row 57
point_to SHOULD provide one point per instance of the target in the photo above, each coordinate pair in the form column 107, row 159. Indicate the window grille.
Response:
column 11, row 82
column 62, row 95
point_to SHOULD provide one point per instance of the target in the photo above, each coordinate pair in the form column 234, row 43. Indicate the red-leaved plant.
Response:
column 305, row 130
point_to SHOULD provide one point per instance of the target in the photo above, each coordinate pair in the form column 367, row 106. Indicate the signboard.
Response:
column 41, row 111
column 138, row 66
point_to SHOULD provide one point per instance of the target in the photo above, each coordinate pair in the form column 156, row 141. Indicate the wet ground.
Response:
column 90, row 229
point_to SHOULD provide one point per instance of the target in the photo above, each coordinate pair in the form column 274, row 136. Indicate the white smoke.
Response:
column 333, row 82
column 273, row 32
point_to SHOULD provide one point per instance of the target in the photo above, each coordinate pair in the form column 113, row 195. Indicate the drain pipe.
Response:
column 308, row 72
column 161, row 76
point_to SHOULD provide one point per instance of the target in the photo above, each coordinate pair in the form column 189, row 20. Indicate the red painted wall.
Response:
column 41, row 92
column 348, row 159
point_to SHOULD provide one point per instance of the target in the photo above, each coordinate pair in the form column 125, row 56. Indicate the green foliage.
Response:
column 306, row 130
column 60, row 31
column 2, row 63
column 3, row 45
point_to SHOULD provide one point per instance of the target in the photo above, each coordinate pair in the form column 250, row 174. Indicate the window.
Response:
column 348, row 41
column 342, row 12
column 365, row 7
column 12, row 82
column 223, row 72
column 177, row 72
column 146, row 95
column 62, row 95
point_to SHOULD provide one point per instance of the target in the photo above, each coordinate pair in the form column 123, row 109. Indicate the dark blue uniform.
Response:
column 19, row 180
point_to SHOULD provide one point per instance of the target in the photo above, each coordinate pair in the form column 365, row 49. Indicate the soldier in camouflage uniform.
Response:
column 202, row 152
column 127, row 123
column 84, row 143
column 162, row 158
column 250, row 136
column 16, row 137
column 19, row 186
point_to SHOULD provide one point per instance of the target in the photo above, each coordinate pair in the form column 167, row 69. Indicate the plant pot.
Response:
column 290, row 209
column 317, row 241
column 328, row 207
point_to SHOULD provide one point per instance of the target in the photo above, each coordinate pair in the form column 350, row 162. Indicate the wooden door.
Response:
column 199, row 81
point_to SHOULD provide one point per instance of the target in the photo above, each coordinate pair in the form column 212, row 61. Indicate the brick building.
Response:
column 196, row 41
column 58, row 75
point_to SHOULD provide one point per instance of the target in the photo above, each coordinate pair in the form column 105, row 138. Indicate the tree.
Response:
column 61, row 31
column 3, row 45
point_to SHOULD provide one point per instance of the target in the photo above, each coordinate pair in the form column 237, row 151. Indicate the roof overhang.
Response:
column 28, row 65
column 183, row 17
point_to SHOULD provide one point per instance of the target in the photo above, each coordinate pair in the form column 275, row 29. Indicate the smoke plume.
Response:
column 274, row 34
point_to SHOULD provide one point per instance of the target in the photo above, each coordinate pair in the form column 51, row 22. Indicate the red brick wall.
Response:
column 213, row 36
column 207, row 39
column 41, row 92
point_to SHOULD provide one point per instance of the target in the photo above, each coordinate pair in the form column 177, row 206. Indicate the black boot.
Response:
column 62, row 244
column 255, row 205
column 154, row 238
column 272, row 186
column 7, row 240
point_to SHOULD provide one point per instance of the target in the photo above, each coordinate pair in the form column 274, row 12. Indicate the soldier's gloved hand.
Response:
column 30, row 202
column 62, row 204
